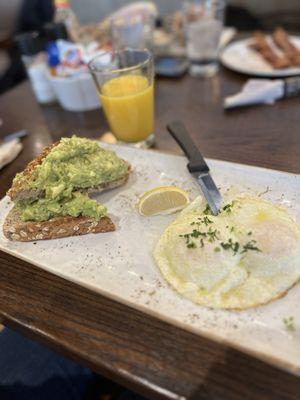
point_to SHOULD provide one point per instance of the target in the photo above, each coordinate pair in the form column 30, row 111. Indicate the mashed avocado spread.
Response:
column 73, row 165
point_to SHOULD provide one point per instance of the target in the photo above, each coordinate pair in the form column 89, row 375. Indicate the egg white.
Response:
column 219, row 278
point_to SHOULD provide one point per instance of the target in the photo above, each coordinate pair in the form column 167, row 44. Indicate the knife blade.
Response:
column 197, row 165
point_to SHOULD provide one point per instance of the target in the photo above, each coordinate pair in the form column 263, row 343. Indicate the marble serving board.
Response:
column 120, row 265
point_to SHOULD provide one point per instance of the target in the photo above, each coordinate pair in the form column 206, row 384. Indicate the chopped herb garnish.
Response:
column 250, row 246
column 212, row 234
column 187, row 238
column 231, row 245
column 289, row 323
column 207, row 210
column 205, row 220
column 236, row 247
column 196, row 233
column 228, row 207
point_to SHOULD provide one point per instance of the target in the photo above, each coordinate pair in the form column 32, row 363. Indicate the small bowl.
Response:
column 76, row 93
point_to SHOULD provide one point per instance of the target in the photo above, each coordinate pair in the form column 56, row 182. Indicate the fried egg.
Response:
column 247, row 255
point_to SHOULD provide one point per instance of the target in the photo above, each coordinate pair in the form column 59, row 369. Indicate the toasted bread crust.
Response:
column 17, row 187
column 17, row 230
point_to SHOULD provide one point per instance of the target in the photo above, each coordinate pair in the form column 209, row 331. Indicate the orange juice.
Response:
column 128, row 103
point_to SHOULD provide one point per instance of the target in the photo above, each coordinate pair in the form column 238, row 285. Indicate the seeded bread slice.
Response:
column 15, row 229
column 21, row 191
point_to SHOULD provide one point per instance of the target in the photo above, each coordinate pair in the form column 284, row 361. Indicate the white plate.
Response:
column 240, row 58
column 120, row 265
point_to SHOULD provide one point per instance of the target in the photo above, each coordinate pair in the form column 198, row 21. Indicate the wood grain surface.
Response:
column 138, row 351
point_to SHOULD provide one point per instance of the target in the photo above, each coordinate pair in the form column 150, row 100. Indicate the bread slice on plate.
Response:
column 15, row 229
column 62, row 224
column 20, row 189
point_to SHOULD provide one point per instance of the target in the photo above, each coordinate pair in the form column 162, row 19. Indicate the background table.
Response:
column 138, row 351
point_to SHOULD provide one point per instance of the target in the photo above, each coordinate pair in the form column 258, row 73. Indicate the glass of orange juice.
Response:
column 125, row 83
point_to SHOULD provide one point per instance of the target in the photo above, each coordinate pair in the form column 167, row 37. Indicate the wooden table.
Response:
column 152, row 357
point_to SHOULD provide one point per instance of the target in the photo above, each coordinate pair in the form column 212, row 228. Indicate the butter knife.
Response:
column 197, row 166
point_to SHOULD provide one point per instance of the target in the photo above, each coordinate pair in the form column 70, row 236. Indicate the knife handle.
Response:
column 180, row 134
column 292, row 87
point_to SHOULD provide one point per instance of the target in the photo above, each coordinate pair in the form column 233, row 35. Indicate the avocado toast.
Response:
column 51, row 195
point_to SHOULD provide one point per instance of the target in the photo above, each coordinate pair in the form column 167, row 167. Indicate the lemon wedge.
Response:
column 162, row 200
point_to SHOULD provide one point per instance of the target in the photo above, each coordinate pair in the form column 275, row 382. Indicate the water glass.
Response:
column 134, row 31
column 203, row 24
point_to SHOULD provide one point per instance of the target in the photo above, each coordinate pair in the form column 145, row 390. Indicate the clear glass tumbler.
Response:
column 135, row 31
column 125, row 83
column 203, row 24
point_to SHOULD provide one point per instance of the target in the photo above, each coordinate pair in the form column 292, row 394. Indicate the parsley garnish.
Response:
column 205, row 220
column 194, row 234
column 235, row 246
column 212, row 234
column 228, row 207
column 289, row 323
column 250, row 246
column 197, row 233
column 207, row 210
column 230, row 245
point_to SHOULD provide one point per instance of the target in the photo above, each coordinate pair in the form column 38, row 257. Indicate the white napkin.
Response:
column 9, row 151
column 257, row 91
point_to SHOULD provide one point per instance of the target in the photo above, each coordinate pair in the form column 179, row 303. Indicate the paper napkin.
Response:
column 257, row 91
column 9, row 151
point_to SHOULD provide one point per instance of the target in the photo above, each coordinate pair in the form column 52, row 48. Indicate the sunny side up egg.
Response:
column 246, row 256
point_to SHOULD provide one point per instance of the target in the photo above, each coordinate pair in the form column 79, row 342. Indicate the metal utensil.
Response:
column 197, row 166
column 15, row 135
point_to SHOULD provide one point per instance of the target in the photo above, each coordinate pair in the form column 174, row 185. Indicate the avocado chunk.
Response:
column 71, row 167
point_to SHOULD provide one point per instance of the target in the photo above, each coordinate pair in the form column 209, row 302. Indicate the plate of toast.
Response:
column 273, row 55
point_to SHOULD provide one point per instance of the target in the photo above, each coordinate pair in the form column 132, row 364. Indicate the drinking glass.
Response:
column 125, row 83
column 135, row 31
column 203, row 24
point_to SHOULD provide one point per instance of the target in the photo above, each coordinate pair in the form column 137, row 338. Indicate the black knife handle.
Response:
column 292, row 87
column 180, row 134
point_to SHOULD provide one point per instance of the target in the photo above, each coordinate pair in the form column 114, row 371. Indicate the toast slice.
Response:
column 21, row 191
column 17, row 230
